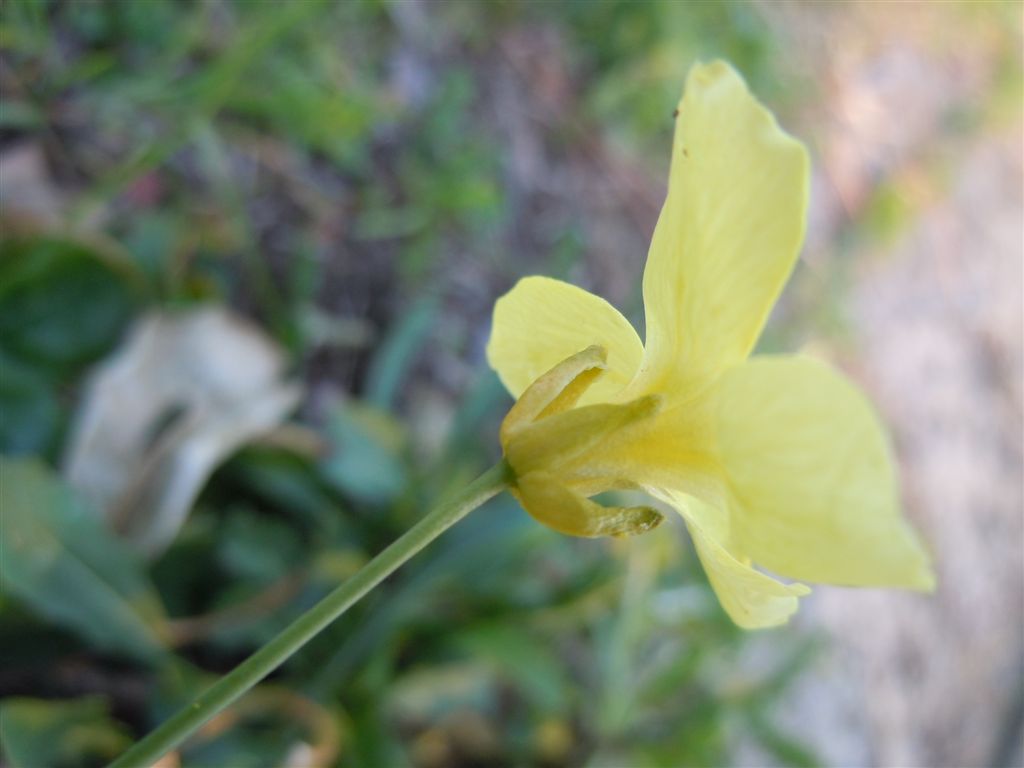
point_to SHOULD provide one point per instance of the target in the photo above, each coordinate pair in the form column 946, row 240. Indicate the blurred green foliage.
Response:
column 59, row 733
column 63, row 562
column 320, row 166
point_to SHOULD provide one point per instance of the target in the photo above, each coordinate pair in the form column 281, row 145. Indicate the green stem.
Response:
column 302, row 630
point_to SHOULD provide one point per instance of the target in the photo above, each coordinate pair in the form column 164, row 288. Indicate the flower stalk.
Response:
column 264, row 661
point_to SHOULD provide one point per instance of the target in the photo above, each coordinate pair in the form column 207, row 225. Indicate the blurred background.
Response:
column 249, row 255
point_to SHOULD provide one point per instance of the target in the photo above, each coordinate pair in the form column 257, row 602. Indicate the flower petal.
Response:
column 673, row 450
column 813, row 477
column 752, row 599
column 728, row 235
column 541, row 322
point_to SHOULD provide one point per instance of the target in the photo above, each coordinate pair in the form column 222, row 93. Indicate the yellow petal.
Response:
column 752, row 599
column 541, row 322
column 728, row 235
column 673, row 449
column 557, row 507
column 813, row 477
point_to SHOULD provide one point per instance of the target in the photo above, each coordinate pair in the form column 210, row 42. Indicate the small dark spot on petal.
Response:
column 675, row 113
column 685, row 153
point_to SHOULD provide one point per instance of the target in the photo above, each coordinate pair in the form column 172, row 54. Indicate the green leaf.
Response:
column 57, row 557
column 63, row 303
column 366, row 462
column 258, row 548
column 283, row 482
column 56, row 734
column 30, row 413
column 390, row 366
column 476, row 418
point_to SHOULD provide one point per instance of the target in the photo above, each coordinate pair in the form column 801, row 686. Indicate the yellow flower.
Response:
column 774, row 460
